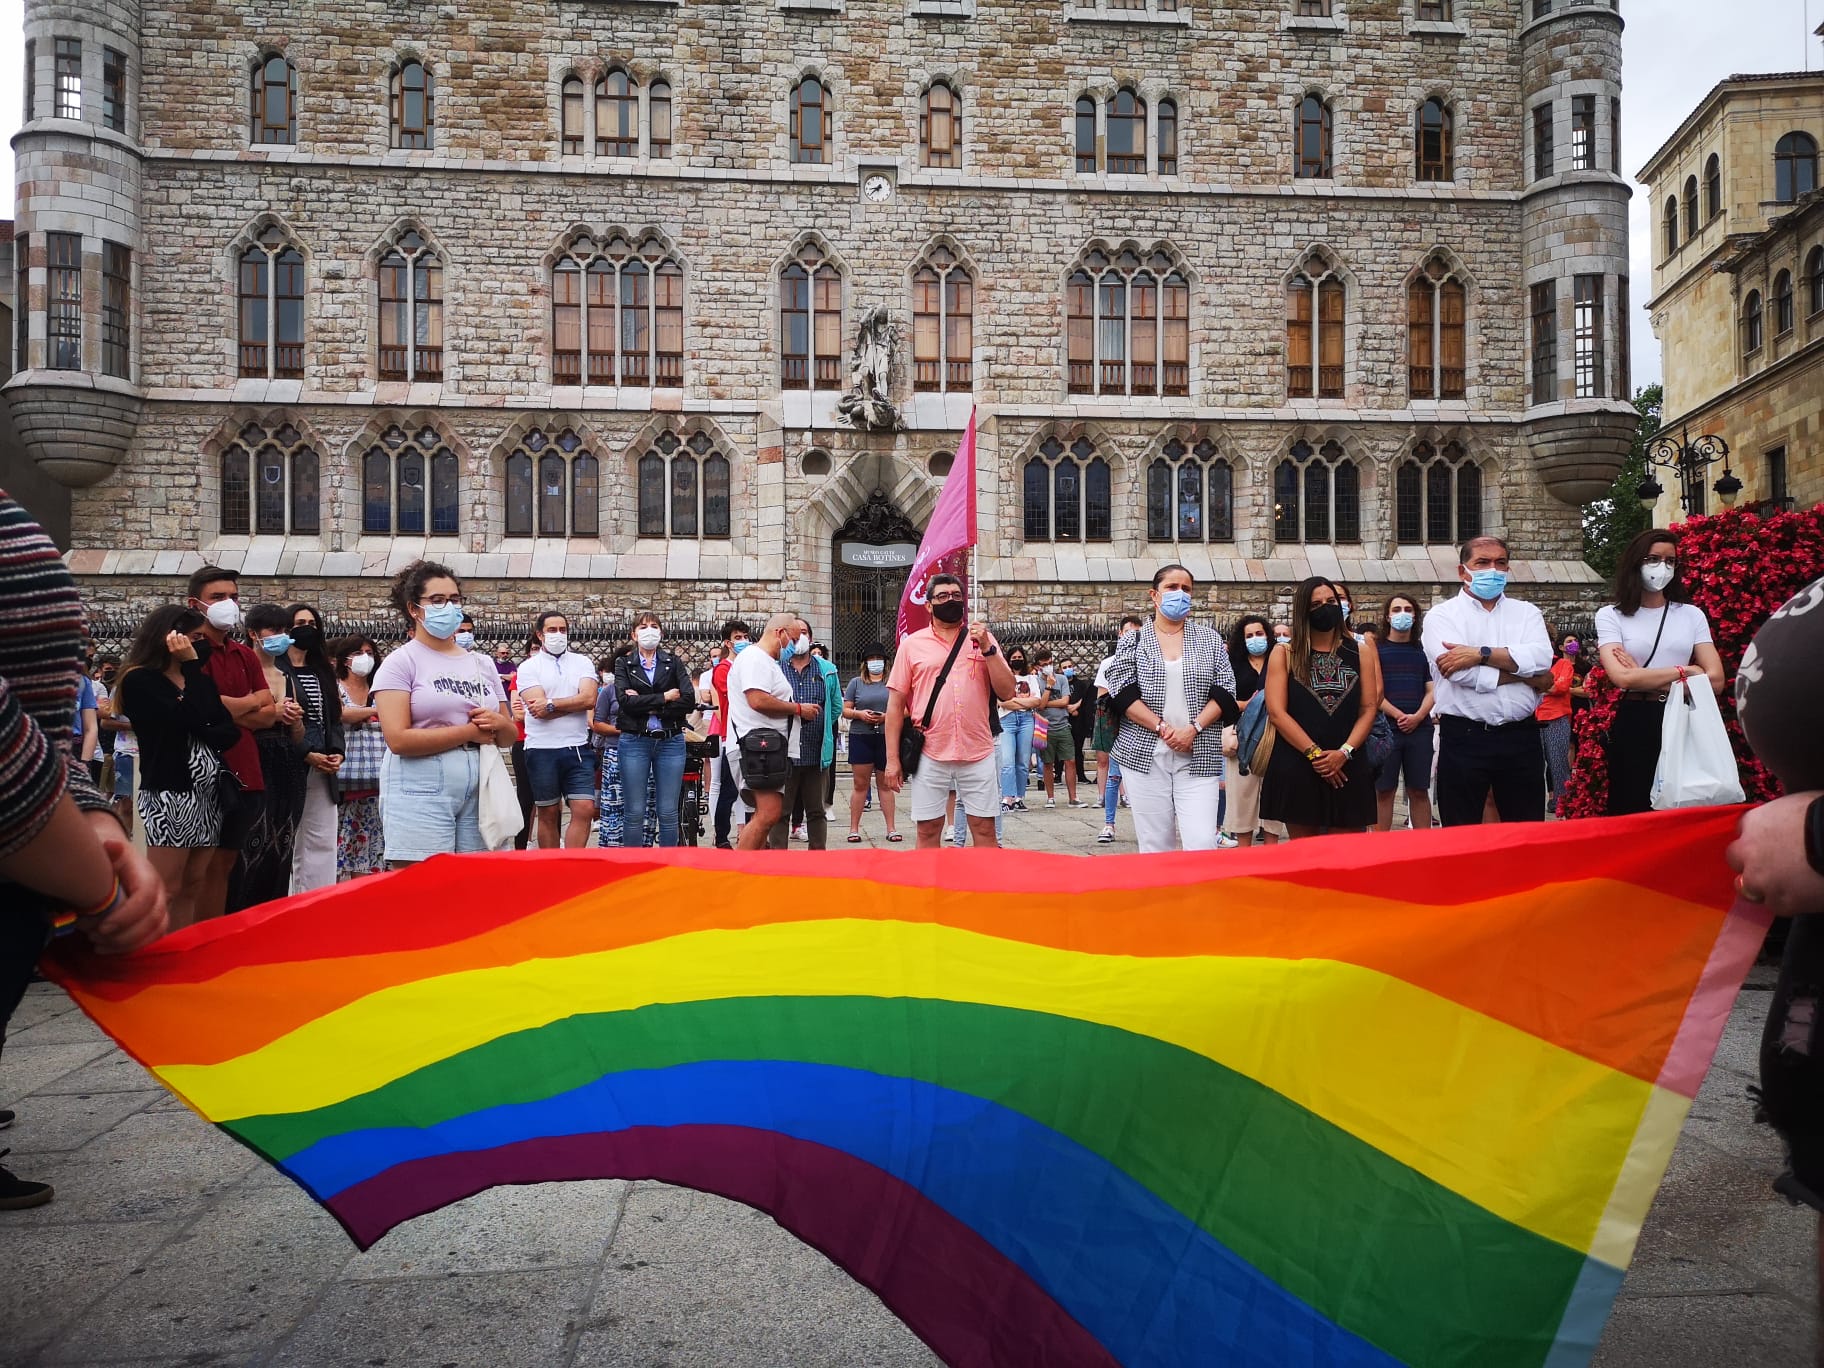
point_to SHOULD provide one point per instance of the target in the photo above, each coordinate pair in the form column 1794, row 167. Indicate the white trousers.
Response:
column 1172, row 807
column 313, row 852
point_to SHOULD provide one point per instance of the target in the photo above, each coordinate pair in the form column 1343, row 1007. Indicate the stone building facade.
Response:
column 1738, row 285
column 564, row 297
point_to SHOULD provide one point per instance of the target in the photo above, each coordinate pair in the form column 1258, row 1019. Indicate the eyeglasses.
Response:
column 1671, row 561
column 946, row 598
column 440, row 600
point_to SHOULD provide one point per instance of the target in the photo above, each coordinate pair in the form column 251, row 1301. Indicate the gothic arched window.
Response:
column 1128, row 324
column 553, row 484
column 270, row 308
column 1315, row 314
column 1436, row 308
column 683, row 486
column 1437, row 497
column 1317, row 496
column 409, row 485
column 1190, row 495
column 810, row 322
column 271, row 483
column 411, row 310
column 617, row 314
column 1068, row 494
column 943, row 319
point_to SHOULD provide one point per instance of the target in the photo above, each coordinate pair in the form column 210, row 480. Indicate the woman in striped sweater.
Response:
column 62, row 850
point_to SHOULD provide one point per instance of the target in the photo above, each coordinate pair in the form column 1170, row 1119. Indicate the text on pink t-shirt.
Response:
column 444, row 685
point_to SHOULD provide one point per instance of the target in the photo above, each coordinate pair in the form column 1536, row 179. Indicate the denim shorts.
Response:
column 430, row 804
column 561, row 772
column 124, row 763
column 868, row 748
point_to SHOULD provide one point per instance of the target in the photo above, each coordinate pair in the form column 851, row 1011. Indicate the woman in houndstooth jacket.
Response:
column 1171, row 684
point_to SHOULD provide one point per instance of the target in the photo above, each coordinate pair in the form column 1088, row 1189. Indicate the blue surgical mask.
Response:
column 1488, row 585
column 466, row 640
column 1175, row 604
column 1257, row 646
column 1070, row 674
column 276, row 645
column 442, row 619
column 1402, row 622
column 789, row 647
column 740, row 646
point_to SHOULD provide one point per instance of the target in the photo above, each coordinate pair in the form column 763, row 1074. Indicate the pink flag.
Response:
column 947, row 539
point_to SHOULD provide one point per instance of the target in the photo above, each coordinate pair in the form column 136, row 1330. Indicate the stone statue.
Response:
column 866, row 405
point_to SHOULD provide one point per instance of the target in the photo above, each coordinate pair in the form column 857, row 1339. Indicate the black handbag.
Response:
column 912, row 739
column 765, row 763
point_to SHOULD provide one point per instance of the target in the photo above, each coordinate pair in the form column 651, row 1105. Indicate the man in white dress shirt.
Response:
column 1486, row 650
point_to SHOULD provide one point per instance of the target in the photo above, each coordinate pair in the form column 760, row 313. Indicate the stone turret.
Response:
column 73, row 395
column 1580, row 421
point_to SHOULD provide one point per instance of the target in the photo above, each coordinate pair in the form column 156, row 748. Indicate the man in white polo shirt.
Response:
column 557, row 686
column 1491, row 658
column 760, row 698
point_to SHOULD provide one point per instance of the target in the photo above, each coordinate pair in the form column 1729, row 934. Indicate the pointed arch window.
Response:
column 940, row 126
column 270, row 308
column 617, row 314
column 1190, row 495
column 810, row 322
column 1315, row 313
column 409, row 485
column 1433, row 151
column 554, row 485
column 1128, row 324
column 683, row 488
column 411, row 310
column 943, row 323
column 1795, row 166
column 1814, row 280
column 1436, row 308
column 1067, row 494
column 812, row 120
column 1126, row 134
column 1437, row 497
column 570, row 117
column 1312, row 139
column 1713, row 186
column 275, row 101
column 270, row 483
column 414, row 106
column 1691, row 219
column 1317, row 496
column 617, row 115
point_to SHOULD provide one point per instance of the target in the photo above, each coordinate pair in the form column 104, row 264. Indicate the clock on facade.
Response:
column 877, row 188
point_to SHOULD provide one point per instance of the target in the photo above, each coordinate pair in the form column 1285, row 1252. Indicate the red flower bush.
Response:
column 1738, row 567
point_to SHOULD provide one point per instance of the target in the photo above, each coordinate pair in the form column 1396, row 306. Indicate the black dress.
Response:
column 1327, row 705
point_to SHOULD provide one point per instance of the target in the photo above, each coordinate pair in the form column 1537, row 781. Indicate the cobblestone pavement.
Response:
column 170, row 1245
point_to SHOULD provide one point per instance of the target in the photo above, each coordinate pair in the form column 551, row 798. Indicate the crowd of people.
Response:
column 261, row 757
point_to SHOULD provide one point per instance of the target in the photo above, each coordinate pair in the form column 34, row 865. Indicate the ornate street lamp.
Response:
column 1690, row 460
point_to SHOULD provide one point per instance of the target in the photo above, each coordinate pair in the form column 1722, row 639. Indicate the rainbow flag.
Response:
column 1362, row 1101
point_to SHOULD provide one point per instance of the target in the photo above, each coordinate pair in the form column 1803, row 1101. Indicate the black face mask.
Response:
column 203, row 649
column 950, row 611
column 306, row 637
column 1326, row 617
column 1018, row 663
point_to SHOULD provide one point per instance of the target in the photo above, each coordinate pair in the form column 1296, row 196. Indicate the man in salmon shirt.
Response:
column 959, row 744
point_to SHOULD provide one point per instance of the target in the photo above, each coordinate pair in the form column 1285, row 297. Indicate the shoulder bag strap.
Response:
column 1664, row 613
column 942, row 675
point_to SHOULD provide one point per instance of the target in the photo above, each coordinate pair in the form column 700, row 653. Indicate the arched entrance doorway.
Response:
column 869, row 557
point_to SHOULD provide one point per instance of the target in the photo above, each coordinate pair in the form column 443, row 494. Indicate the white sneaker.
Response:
column 1224, row 841
column 1107, row 836
column 1051, row 802
column 800, row 834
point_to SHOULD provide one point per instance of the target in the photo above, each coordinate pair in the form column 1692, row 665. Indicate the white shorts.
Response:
column 977, row 784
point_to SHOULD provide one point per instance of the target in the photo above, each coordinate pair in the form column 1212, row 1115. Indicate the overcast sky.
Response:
column 1673, row 52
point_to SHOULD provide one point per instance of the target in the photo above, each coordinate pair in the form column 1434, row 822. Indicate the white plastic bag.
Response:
column 500, row 816
column 1696, row 762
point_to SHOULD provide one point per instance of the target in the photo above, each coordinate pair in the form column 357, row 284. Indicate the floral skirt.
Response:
column 612, row 824
column 360, row 847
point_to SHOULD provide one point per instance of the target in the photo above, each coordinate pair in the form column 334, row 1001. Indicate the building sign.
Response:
column 897, row 554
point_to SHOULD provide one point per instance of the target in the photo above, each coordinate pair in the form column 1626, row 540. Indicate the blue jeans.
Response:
column 1111, row 791
column 639, row 757
column 960, row 831
column 1016, row 752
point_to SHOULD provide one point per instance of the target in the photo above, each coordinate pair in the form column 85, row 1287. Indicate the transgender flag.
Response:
column 947, row 539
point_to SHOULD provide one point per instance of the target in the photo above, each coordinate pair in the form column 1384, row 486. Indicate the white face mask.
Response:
column 224, row 615
column 362, row 665
column 1657, row 577
column 648, row 637
column 876, row 666
column 1282, row 641
column 556, row 643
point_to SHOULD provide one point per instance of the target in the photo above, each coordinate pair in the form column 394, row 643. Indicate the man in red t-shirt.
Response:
column 734, row 630
column 235, row 670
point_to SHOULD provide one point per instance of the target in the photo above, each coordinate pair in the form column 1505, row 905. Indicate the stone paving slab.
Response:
column 170, row 1244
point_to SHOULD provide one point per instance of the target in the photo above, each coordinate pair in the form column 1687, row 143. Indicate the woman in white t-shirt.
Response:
column 439, row 704
column 1649, row 639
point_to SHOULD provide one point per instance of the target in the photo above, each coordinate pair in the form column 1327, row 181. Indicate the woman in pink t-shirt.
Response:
column 439, row 704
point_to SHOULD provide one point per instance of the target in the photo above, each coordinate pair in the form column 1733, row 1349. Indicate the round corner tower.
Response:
column 73, row 395
column 1580, row 419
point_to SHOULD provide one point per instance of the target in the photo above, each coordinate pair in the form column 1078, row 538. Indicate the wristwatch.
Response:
column 1487, row 651
column 1814, row 834
column 992, row 650
column 1347, row 750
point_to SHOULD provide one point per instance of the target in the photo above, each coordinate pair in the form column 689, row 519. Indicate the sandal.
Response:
column 895, row 837
column 854, row 838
